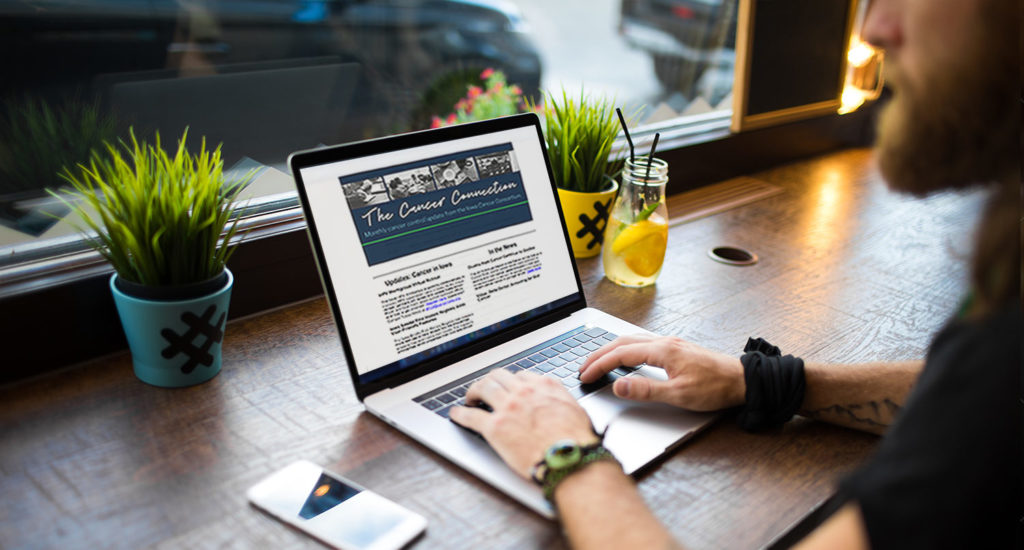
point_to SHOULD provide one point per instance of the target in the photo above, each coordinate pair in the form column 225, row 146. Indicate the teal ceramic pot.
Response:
column 174, row 343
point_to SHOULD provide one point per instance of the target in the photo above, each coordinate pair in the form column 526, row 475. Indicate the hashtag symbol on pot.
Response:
column 596, row 225
column 197, row 355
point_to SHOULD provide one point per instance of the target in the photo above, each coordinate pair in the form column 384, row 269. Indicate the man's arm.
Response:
column 600, row 508
column 865, row 396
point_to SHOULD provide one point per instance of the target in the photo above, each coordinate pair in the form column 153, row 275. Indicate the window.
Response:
column 268, row 77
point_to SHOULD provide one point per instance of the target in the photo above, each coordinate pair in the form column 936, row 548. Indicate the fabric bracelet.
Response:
column 775, row 386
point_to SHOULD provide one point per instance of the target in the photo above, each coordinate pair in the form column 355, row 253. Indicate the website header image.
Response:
column 497, row 163
column 410, row 182
column 365, row 192
column 421, row 214
column 455, row 172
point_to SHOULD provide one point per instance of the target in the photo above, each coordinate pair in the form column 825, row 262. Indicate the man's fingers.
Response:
column 631, row 352
column 470, row 417
column 620, row 341
column 491, row 389
column 494, row 388
column 639, row 388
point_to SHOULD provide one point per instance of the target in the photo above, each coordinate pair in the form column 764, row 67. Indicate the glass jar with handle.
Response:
column 637, row 231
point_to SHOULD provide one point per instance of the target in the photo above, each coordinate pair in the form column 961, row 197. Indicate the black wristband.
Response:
column 775, row 386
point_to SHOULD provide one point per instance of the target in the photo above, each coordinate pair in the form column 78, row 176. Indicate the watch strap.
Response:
column 551, row 478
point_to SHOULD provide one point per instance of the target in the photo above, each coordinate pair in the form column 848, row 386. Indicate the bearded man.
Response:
column 947, row 474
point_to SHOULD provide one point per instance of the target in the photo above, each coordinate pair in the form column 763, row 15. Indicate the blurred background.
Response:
column 268, row 77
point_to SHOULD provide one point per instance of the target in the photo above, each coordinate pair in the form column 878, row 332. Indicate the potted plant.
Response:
column 579, row 132
column 495, row 98
column 165, row 223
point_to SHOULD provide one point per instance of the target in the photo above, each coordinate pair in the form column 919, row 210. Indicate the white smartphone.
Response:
column 335, row 511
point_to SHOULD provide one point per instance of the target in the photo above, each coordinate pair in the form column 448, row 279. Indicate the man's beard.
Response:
column 964, row 129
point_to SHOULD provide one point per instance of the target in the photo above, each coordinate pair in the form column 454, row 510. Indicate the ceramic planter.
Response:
column 586, row 215
column 175, row 342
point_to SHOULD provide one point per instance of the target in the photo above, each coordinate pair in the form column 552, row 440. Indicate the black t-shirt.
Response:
column 948, row 472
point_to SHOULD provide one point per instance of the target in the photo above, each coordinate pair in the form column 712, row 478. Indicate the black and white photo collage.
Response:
column 423, row 179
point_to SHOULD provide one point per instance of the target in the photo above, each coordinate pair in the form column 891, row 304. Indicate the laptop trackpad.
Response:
column 637, row 433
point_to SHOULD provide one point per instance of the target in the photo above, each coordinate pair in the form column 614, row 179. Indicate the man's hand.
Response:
column 530, row 413
column 698, row 379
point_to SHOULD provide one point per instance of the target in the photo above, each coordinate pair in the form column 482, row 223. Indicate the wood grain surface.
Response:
column 92, row 458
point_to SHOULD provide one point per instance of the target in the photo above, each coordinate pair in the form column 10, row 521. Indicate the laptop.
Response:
column 444, row 255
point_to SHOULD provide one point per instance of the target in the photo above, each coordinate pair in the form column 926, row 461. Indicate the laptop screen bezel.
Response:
column 317, row 157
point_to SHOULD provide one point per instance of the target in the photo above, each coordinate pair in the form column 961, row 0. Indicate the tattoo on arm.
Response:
column 872, row 413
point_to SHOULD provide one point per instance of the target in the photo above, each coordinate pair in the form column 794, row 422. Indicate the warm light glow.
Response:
column 826, row 225
column 863, row 70
column 322, row 490
column 860, row 53
column 852, row 99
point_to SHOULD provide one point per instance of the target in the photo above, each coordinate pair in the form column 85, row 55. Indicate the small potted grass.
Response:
column 165, row 223
column 579, row 132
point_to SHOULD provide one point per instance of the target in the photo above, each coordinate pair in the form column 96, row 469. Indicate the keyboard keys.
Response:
column 560, row 361
column 561, row 372
column 547, row 366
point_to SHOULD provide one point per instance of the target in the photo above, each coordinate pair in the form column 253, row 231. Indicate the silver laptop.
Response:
column 444, row 255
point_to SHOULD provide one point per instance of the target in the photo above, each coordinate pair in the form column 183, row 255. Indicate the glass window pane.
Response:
column 268, row 77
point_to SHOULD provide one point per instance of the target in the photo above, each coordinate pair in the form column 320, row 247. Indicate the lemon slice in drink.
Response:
column 642, row 247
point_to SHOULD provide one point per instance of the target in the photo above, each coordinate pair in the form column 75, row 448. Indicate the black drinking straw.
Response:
column 625, row 131
column 650, row 157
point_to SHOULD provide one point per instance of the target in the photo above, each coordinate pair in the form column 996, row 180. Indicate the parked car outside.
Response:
column 685, row 39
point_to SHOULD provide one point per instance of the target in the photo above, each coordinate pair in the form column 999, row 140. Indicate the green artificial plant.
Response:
column 160, row 220
column 579, row 132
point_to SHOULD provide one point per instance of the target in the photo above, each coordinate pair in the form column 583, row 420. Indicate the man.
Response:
column 947, row 473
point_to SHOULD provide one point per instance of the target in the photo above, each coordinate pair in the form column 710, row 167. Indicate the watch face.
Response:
column 563, row 454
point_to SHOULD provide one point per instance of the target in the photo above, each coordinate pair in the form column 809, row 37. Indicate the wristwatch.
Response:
column 563, row 458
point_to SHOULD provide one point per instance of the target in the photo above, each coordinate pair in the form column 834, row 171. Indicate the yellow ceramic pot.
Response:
column 586, row 214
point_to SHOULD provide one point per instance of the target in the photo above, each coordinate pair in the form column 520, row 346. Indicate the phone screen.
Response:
column 334, row 511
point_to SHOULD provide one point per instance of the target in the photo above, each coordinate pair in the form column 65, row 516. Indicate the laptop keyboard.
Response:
column 559, row 358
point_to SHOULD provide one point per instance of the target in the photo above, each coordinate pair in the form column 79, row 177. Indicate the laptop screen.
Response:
column 428, row 242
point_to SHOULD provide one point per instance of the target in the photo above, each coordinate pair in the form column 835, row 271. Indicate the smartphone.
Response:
column 335, row 511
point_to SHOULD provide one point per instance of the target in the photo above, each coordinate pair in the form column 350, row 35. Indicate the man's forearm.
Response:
column 866, row 396
column 600, row 508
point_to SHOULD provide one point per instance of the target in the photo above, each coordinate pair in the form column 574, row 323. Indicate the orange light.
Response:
column 860, row 53
column 322, row 490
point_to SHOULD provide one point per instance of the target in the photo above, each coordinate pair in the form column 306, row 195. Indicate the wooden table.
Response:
column 90, row 457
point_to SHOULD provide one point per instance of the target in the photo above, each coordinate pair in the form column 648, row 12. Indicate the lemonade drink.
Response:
column 637, row 232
